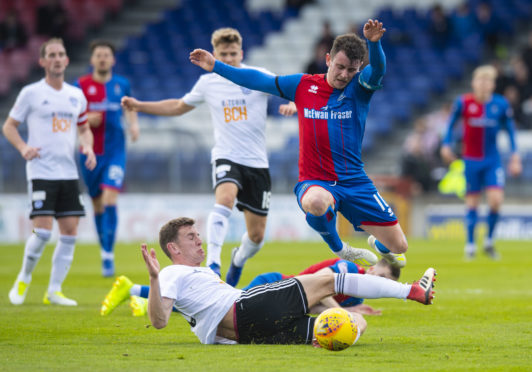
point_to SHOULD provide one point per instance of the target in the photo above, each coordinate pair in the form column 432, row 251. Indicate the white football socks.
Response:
column 217, row 225
column 247, row 249
column 61, row 261
column 369, row 286
column 33, row 252
column 135, row 290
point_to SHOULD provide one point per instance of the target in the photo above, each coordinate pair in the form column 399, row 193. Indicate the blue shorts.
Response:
column 480, row 174
column 109, row 172
column 358, row 200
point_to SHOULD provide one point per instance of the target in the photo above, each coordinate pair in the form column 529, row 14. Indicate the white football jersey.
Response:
column 239, row 118
column 52, row 117
column 200, row 296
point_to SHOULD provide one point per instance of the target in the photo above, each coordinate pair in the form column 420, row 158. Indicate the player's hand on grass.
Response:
column 29, row 153
column 129, row 103
column 364, row 310
column 447, row 154
column 90, row 162
column 203, row 59
column 95, row 118
column 151, row 261
column 373, row 30
column 515, row 167
column 288, row 109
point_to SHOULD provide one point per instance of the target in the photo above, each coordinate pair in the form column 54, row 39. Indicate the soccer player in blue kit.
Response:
column 103, row 91
column 483, row 114
column 332, row 110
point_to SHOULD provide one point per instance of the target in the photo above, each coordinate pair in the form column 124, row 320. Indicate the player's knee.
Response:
column 401, row 246
column 256, row 236
column 315, row 205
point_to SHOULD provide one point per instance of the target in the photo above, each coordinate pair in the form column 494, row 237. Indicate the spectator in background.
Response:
column 318, row 65
column 488, row 25
column 294, row 6
column 504, row 76
column 439, row 27
column 327, row 36
column 462, row 23
column 511, row 93
column 526, row 54
column 521, row 79
column 12, row 32
column 52, row 19
column 419, row 159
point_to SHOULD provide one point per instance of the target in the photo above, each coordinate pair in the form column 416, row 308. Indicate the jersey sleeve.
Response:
column 258, row 80
column 168, row 283
column 22, row 106
column 372, row 74
column 509, row 125
column 456, row 113
column 82, row 118
column 196, row 95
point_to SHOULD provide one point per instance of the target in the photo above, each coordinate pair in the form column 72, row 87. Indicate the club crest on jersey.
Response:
column 73, row 101
column 313, row 89
column 245, row 90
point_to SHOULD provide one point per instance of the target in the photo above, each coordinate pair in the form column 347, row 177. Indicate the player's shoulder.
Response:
column 499, row 99
column 73, row 89
column 122, row 80
column 33, row 87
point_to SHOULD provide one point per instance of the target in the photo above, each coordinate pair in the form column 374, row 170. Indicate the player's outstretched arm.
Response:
column 373, row 30
column 86, row 141
column 166, row 107
column 159, row 309
column 245, row 77
column 373, row 73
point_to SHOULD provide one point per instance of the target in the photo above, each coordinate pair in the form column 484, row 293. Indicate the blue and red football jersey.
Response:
column 481, row 123
column 105, row 98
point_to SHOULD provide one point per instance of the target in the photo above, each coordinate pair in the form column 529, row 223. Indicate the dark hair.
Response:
column 102, row 43
column 351, row 44
column 54, row 40
column 395, row 271
column 170, row 231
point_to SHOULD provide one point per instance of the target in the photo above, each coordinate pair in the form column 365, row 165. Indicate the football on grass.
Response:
column 335, row 329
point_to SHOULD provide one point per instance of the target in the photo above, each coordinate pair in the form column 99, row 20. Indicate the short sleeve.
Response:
column 168, row 282
column 197, row 95
column 82, row 118
column 22, row 106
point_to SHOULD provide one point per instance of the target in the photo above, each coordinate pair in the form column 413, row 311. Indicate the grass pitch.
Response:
column 481, row 319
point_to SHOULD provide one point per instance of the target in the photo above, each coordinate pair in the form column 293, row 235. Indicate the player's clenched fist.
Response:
column 129, row 103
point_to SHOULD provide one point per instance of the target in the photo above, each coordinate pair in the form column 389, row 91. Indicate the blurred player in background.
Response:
column 103, row 91
column 332, row 110
column 483, row 114
column 53, row 111
column 239, row 158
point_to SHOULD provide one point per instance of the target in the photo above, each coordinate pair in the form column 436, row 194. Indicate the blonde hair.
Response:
column 226, row 35
column 485, row 70
column 54, row 40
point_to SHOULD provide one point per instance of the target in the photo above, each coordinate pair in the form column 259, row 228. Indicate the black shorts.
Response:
column 57, row 198
column 254, row 184
column 274, row 313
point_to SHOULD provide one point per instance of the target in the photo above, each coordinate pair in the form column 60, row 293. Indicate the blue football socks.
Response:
column 471, row 222
column 325, row 225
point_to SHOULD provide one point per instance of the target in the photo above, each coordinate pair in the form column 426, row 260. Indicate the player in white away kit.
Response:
column 53, row 111
column 240, row 162
column 273, row 313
